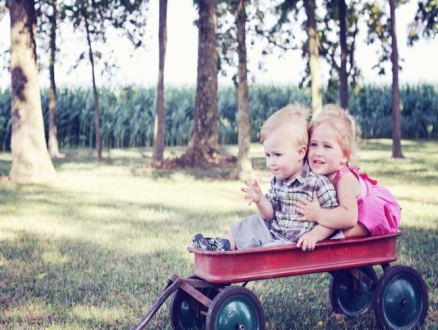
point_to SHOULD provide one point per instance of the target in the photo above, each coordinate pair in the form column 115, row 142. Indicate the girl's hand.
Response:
column 253, row 192
column 308, row 241
column 309, row 210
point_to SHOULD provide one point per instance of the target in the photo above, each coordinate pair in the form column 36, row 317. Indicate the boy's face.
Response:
column 325, row 155
column 284, row 158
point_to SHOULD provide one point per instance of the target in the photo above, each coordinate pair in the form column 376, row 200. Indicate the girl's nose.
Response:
column 318, row 151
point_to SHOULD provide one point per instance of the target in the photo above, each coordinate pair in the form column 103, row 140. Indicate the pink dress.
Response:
column 378, row 209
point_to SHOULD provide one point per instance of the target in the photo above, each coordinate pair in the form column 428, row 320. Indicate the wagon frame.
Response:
column 207, row 299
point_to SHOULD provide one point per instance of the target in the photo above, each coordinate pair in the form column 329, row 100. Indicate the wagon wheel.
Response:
column 401, row 299
column 235, row 307
column 345, row 301
column 184, row 309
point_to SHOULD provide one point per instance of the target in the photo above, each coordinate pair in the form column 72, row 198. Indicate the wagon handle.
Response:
column 161, row 299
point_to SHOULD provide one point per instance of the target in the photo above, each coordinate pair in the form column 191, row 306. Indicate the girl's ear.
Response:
column 346, row 158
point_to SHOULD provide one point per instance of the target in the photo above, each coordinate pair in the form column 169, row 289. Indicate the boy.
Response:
column 284, row 137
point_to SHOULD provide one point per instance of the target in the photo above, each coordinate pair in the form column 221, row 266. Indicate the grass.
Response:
column 94, row 250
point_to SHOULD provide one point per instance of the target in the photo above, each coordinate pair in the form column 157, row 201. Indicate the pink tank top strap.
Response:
column 341, row 173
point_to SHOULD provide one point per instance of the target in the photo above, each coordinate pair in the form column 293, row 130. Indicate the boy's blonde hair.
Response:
column 292, row 119
column 343, row 124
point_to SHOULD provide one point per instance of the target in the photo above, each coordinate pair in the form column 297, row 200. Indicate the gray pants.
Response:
column 254, row 231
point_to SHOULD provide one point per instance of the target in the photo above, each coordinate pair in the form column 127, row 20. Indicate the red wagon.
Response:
column 208, row 300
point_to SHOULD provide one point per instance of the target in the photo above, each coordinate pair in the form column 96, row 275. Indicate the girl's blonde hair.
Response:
column 343, row 124
column 292, row 119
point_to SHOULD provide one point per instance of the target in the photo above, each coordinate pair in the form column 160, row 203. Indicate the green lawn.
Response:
column 94, row 250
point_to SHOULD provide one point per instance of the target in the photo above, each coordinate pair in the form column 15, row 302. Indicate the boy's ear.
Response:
column 302, row 150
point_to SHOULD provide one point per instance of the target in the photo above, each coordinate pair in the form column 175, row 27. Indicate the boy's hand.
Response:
column 253, row 192
column 309, row 210
column 308, row 241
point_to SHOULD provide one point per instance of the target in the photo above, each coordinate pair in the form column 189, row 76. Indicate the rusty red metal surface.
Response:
column 288, row 260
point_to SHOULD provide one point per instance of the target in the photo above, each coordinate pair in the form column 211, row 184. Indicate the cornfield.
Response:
column 127, row 114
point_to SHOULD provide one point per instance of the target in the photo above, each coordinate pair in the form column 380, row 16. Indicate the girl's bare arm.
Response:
column 342, row 217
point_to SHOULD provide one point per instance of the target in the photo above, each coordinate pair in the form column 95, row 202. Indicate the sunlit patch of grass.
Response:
column 95, row 249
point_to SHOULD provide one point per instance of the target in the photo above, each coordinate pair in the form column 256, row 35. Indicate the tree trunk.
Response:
column 205, row 131
column 96, row 96
column 160, row 119
column 244, row 164
column 204, row 145
column 313, row 41
column 30, row 159
column 343, row 75
column 396, row 122
column 53, row 136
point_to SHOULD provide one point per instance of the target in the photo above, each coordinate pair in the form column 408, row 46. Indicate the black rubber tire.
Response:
column 401, row 299
column 235, row 307
column 344, row 301
column 182, row 316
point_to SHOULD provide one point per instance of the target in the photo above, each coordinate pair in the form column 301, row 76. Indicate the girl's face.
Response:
column 284, row 158
column 325, row 155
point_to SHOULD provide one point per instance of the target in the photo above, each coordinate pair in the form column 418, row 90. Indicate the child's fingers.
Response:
column 315, row 196
column 302, row 201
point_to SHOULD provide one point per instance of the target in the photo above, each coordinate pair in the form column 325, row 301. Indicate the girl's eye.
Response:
column 277, row 154
column 327, row 146
column 313, row 144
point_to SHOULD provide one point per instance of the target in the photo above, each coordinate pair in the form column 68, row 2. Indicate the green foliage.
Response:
column 127, row 114
column 372, row 107
column 5, row 120
column 425, row 23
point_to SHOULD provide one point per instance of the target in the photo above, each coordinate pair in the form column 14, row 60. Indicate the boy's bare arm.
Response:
column 254, row 194
column 265, row 208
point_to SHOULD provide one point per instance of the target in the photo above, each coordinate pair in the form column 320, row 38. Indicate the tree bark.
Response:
column 53, row 130
column 244, row 164
column 343, row 75
column 313, row 42
column 396, row 121
column 95, row 94
column 205, row 131
column 30, row 159
column 160, row 119
column 204, row 144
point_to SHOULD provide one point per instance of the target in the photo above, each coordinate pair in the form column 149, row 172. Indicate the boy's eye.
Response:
column 327, row 146
column 277, row 154
column 313, row 144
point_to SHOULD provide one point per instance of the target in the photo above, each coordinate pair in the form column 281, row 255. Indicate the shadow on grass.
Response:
column 80, row 210
column 84, row 285
column 59, row 281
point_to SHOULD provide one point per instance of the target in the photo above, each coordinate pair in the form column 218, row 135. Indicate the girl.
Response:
column 364, row 207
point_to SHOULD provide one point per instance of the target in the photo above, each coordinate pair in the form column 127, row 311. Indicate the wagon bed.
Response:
column 289, row 260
